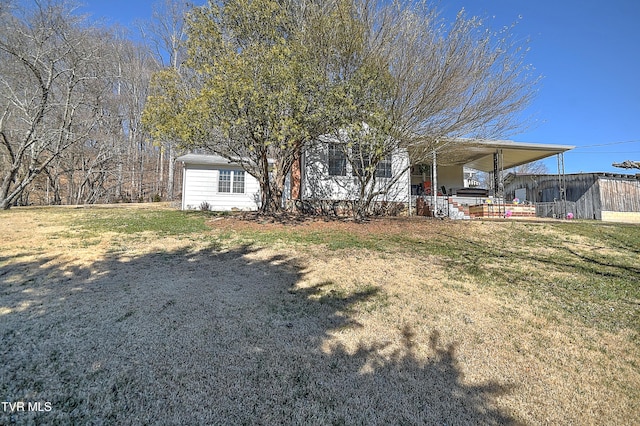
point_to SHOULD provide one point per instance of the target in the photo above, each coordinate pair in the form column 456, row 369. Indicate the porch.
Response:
column 444, row 179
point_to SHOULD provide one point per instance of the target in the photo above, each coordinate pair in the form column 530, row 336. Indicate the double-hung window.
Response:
column 231, row 180
column 224, row 182
column 238, row 181
column 337, row 160
column 362, row 161
column 383, row 168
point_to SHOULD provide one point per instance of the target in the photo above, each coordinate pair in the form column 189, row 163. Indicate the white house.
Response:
column 327, row 175
column 219, row 183
column 323, row 174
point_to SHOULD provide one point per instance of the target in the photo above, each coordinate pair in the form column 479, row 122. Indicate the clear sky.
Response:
column 587, row 51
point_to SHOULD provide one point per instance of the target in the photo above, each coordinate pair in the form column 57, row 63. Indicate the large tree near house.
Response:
column 262, row 84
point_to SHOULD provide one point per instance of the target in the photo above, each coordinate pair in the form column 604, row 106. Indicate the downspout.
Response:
column 409, row 188
column 184, row 184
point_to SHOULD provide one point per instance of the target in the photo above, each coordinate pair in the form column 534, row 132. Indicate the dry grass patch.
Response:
column 148, row 316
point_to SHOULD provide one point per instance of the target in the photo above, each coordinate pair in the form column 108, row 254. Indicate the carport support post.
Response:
column 498, row 180
column 434, row 182
column 495, row 174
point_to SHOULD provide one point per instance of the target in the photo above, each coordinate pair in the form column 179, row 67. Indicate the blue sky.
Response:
column 587, row 51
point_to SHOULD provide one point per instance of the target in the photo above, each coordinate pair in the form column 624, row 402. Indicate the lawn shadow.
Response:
column 213, row 337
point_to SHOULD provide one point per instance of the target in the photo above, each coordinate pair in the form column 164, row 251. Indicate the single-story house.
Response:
column 322, row 173
column 611, row 197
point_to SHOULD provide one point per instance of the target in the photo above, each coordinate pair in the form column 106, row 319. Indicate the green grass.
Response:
column 589, row 271
column 129, row 222
column 333, row 240
column 586, row 270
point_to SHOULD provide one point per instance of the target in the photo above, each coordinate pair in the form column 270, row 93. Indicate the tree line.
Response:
column 72, row 94
column 255, row 81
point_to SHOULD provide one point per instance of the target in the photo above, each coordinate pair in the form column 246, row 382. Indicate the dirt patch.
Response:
column 191, row 329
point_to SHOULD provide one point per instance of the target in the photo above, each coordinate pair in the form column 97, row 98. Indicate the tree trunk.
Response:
column 6, row 184
column 266, row 206
column 170, row 176
column 160, row 190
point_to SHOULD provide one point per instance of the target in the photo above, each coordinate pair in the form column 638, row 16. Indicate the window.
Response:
column 337, row 160
column 224, row 182
column 229, row 176
column 238, row 181
column 383, row 169
column 362, row 160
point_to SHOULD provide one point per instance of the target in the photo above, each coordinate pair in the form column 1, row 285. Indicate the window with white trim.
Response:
column 383, row 168
column 229, row 180
column 362, row 161
column 337, row 160
column 238, row 181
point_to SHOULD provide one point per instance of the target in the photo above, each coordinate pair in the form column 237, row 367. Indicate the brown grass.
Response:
column 245, row 323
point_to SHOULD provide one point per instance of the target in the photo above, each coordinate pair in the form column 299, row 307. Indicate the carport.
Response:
column 446, row 159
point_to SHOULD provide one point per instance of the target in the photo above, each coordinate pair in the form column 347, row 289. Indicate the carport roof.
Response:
column 478, row 153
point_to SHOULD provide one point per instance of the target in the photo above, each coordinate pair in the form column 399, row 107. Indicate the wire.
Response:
column 604, row 152
column 606, row 144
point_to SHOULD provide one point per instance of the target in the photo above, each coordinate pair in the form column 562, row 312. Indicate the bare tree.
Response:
column 532, row 168
column 452, row 80
column 167, row 34
column 447, row 81
column 117, row 146
column 50, row 83
column 135, row 68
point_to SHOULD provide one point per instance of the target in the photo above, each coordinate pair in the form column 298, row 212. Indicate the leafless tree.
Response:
column 449, row 80
column 167, row 34
column 50, row 79
column 136, row 64
column 532, row 168
column 461, row 79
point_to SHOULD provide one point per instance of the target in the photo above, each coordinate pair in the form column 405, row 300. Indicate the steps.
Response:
column 447, row 207
column 458, row 211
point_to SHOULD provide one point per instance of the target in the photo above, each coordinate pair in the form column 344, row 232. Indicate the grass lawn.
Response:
column 143, row 314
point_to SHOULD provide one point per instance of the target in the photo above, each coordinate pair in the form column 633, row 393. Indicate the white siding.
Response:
column 200, row 184
column 317, row 184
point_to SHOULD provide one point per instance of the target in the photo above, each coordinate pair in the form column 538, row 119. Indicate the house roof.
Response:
column 593, row 175
column 473, row 153
column 478, row 153
column 204, row 159
column 208, row 159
